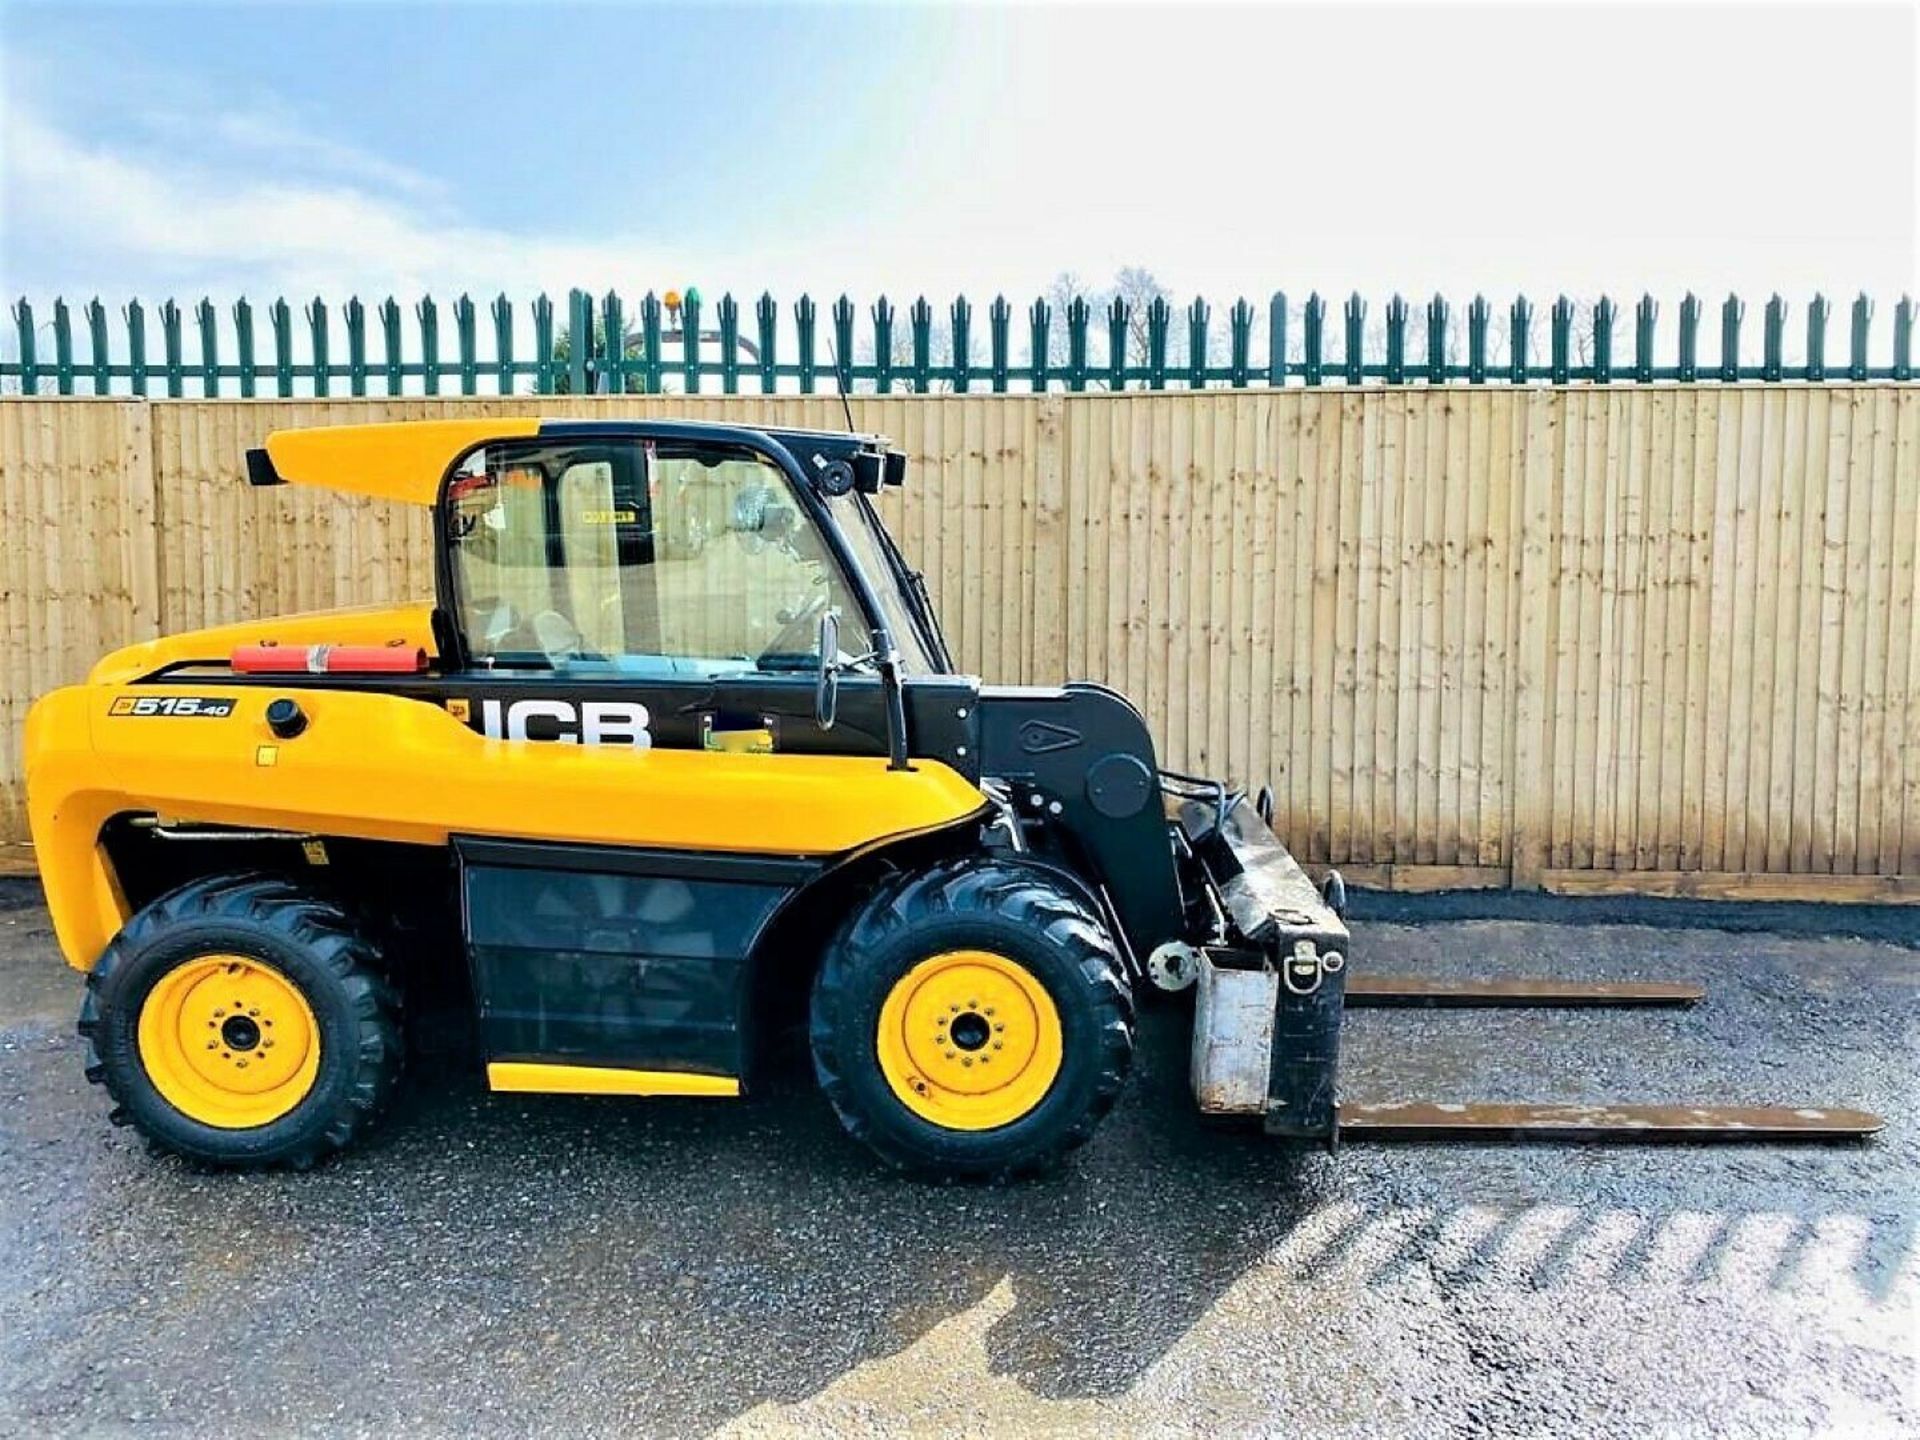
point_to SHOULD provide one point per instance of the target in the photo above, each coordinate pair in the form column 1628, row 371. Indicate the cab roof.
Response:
column 405, row 460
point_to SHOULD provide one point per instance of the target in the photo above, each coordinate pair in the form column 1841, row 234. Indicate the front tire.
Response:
column 241, row 1021
column 972, row 1020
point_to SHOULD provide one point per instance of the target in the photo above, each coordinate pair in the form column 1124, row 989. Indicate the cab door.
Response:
column 657, row 596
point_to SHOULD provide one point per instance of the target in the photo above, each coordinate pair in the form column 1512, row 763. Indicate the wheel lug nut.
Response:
column 1001, row 1026
column 218, row 1013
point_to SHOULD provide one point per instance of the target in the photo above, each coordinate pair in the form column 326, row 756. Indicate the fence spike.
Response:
column 1355, row 358
column 466, row 342
column 357, row 346
column 99, row 350
column 1277, row 339
column 727, row 314
column 1561, row 320
column 920, row 321
column 209, row 350
column 1773, row 339
column 1903, row 339
column 883, row 315
column 502, row 343
column 1817, row 337
column 843, row 313
column 652, row 346
column 803, row 315
column 962, row 313
column 1689, row 362
column 767, row 316
column 173, row 350
column 1159, row 322
column 1479, row 318
column 1644, row 316
column 612, row 378
column 999, row 324
column 317, row 328
column 1730, row 316
column 62, row 348
column 29, row 361
column 1437, row 340
column 392, row 346
column 1520, row 323
column 1119, row 313
column 690, row 340
column 579, row 340
column 136, row 319
column 428, row 314
column 1039, row 345
column 243, row 347
column 1312, row 328
column 1396, row 341
column 1862, row 321
column 1240, row 344
column 1079, row 320
column 1603, row 316
column 544, row 374
column 1198, row 314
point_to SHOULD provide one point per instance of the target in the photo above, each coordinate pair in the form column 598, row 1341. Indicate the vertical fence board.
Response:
column 1900, row 754
column 1875, row 687
column 1533, row 741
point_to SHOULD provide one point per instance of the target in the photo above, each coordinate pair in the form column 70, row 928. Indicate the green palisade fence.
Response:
column 787, row 349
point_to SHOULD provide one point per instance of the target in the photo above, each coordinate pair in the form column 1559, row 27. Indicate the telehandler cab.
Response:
column 678, row 750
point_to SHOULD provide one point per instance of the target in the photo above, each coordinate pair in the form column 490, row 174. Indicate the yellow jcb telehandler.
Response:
column 676, row 751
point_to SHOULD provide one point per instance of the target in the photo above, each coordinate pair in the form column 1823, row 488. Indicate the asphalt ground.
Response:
column 511, row 1265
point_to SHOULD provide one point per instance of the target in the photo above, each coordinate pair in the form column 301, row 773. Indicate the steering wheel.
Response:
column 799, row 632
column 557, row 636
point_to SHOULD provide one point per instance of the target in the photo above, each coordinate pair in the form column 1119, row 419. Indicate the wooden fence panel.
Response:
column 1663, row 637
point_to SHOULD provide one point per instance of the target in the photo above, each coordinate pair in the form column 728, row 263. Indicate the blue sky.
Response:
column 187, row 149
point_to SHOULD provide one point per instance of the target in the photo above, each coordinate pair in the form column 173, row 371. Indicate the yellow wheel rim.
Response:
column 969, row 1040
column 229, row 1041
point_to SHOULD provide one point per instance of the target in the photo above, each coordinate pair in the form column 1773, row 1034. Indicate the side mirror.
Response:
column 826, row 684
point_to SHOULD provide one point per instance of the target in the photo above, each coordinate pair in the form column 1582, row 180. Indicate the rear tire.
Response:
column 905, row 1020
column 240, row 1021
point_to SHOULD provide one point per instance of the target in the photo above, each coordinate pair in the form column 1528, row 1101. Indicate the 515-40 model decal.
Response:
column 214, row 707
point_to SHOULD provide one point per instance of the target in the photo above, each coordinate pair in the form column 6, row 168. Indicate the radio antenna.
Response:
column 840, row 384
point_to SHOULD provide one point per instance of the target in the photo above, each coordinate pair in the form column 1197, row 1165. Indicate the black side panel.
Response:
column 625, row 958
column 1085, row 750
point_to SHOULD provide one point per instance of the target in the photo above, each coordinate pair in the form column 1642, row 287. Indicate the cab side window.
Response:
column 637, row 559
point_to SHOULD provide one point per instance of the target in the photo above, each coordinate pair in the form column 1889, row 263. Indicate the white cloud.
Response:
column 284, row 138
column 165, row 227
